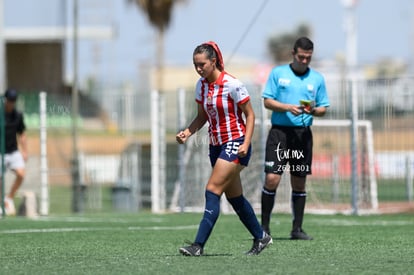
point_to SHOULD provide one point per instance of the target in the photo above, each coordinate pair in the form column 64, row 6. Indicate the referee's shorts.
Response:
column 289, row 149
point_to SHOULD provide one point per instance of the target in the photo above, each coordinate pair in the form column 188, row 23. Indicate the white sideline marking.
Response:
column 362, row 223
column 83, row 229
column 184, row 227
column 95, row 219
column 82, row 219
column 50, row 230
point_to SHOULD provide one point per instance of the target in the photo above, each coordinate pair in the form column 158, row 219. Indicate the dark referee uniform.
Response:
column 14, row 123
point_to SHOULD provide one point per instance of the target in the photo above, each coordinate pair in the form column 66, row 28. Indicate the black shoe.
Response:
column 299, row 234
column 192, row 250
column 260, row 244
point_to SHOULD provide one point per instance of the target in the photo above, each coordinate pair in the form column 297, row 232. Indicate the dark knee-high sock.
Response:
column 298, row 209
column 246, row 214
column 268, row 201
column 211, row 213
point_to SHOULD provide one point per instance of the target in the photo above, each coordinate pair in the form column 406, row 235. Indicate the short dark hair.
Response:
column 11, row 95
column 304, row 43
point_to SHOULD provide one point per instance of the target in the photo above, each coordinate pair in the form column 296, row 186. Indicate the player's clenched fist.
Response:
column 181, row 137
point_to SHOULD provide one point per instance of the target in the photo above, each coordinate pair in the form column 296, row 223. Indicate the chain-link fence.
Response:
column 115, row 149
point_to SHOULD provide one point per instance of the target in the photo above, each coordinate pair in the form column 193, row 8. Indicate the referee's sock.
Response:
column 246, row 214
column 211, row 213
column 298, row 209
column 268, row 201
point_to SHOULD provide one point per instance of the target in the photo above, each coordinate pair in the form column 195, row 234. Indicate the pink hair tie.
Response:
column 218, row 52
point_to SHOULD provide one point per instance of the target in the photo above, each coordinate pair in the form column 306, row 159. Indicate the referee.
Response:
column 16, row 147
column 295, row 93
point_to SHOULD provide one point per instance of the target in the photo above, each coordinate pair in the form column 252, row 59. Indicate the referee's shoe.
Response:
column 260, row 244
column 299, row 234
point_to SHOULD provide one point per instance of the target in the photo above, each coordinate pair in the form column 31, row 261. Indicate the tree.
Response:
column 280, row 46
column 159, row 15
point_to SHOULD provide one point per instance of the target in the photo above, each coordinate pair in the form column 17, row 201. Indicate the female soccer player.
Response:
column 222, row 100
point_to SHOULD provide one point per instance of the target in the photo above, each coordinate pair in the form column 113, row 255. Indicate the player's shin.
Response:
column 211, row 213
column 246, row 214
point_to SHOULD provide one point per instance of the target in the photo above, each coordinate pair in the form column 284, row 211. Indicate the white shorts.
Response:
column 13, row 161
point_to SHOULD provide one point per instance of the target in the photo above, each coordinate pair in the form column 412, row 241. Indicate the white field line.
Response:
column 85, row 229
column 52, row 230
column 330, row 222
column 184, row 227
column 94, row 220
column 337, row 222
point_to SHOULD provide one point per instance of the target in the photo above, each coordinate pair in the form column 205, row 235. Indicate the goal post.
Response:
column 44, row 184
column 367, row 145
column 2, row 152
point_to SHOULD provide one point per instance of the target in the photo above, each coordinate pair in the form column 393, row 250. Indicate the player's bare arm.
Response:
column 194, row 126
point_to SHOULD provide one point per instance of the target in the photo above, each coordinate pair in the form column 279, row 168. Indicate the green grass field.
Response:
column 145, row 243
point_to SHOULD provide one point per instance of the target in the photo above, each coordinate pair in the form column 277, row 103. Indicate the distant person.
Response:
column 223, row 101
column 15, row 147
column 295, row 93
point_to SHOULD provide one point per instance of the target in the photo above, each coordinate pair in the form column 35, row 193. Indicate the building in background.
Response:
column 36, row 46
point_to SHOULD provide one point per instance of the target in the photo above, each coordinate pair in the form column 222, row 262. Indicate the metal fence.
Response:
column 115, row 136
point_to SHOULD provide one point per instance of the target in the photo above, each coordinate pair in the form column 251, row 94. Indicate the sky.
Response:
column 385, row 29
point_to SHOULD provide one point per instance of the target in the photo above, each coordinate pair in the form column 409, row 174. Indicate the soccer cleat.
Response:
column 9, row 206
column 299, row 234
column 192, row 250
column 260, row 244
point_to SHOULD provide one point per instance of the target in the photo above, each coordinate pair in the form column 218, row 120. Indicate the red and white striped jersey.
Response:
column 221, row 101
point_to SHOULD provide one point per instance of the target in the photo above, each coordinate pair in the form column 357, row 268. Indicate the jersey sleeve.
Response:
column 239, row 92
column 198, row 97
column 271, row 85
column 321, row 97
